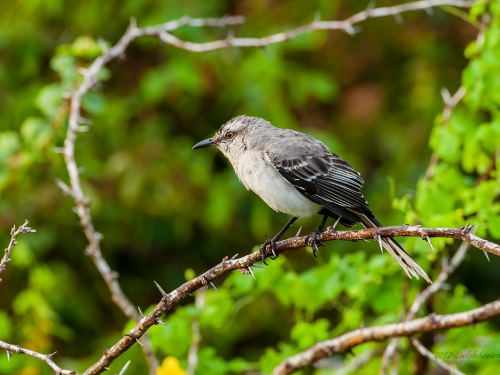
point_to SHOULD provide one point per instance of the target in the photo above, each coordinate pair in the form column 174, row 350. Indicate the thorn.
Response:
column 125, row 367
column 57, row 150
column 213, row 286
column 445, row 94
column 349, row 29
column 103, row 44
column 429, row 11
column 399, row 18
column 9, row 354
column 140, row 312
column 251, row 272
column 317, row 16
column 272, row 250
column 234, row 256
column 257, row 266
column 486, row 255
column 106, row 368
column 159, row 321
column 426, row 238
column 85, row 121
column 135, row 338
column 335, row 225
column 160, row 289
column 298, row 232
column 133, row 22
column 379, row 240
column 371, row 5
column 225, row 259
column 49, row 356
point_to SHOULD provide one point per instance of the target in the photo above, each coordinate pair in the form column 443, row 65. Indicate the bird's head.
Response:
column 232, row 137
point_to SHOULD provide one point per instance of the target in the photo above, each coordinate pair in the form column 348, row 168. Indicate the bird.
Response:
column 297, row 174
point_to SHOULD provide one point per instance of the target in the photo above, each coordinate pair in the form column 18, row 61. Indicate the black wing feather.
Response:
column 326, row 179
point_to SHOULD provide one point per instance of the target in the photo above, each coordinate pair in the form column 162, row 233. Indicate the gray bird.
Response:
column 297, row 174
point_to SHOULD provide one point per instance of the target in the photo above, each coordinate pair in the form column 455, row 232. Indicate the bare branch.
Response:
column 47, row 358
column 423, row 350
column 349, row 340
column 13, row 233
column 422, row 298
column 346, row 25
column 171, row 299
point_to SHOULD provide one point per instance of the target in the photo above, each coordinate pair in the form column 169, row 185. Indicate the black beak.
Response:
column 205, row 143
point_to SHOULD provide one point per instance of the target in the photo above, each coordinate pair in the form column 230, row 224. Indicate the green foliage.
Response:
column 168, row 213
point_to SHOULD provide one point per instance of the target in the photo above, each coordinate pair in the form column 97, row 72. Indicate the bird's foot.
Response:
column 271, row 243
column 314, row 240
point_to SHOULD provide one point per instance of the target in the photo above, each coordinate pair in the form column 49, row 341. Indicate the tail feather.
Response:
column 394, row 248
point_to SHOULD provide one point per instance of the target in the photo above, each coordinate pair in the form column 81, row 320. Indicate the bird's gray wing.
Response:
column 320, row 175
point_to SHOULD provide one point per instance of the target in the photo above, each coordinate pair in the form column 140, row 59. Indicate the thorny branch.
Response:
column 90, row 80
column 380, row 333
column 47, row 358
column 171, row 299
column 13, row 233
column 422, row 298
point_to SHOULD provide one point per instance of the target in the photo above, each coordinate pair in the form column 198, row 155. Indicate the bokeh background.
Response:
column 167, row 212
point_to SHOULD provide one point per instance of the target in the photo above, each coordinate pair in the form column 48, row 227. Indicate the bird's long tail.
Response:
column 394, row 248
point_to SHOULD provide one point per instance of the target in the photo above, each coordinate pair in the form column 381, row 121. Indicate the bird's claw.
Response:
column 314, row 240
column 269, row 242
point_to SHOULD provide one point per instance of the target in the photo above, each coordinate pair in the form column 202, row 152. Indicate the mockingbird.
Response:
column 297, row 174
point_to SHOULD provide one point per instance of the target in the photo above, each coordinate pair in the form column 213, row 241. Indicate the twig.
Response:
column 422, row 298
column 349, row 340
column 346, row 25
column 13, row 233
column 426, row 353
column 193, row 350
column 47, row 358
column 450, row 102
column 172, row 298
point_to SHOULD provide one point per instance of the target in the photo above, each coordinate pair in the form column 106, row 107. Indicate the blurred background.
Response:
column 168, row 213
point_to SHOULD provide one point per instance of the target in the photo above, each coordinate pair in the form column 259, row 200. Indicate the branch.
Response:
column 13, row 233
column 346, row 25
column 423, row 350
column 349, row 340
column 47, row 358
column 171, row 299
column 422, row 298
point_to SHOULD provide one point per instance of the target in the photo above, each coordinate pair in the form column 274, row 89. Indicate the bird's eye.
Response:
column 229, row 135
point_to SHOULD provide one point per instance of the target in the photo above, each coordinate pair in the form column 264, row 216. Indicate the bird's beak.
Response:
column 205, row 143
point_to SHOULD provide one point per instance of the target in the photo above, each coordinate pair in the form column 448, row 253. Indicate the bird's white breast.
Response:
column 255, row 172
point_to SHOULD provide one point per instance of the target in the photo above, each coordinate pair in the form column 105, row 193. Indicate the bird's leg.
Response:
column 314, row 238
column 271, row 242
